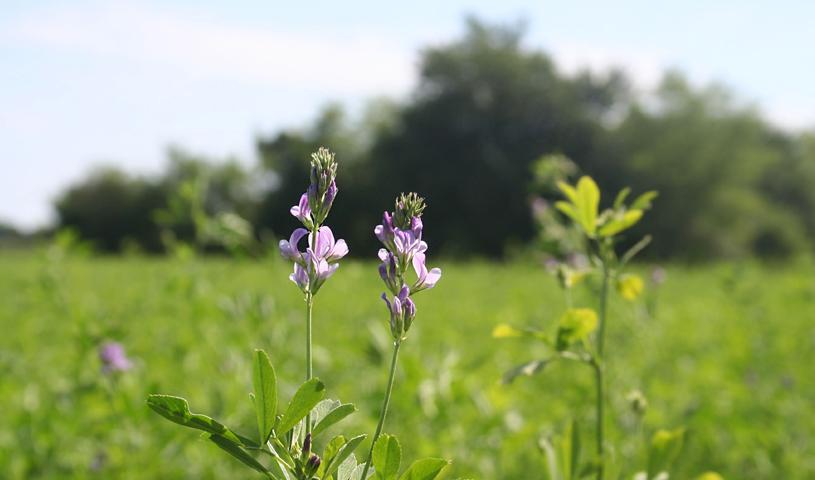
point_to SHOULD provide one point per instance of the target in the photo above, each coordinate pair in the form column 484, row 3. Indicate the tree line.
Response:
column 467, row 138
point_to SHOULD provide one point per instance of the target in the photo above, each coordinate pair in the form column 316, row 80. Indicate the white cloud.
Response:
column 330, row 62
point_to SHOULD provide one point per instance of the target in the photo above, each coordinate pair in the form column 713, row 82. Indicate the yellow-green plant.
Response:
column 580, row 334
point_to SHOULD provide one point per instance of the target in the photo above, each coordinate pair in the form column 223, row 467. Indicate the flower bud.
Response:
column 307, row 444
column 312, row 465
column 323, row 188
column 408, row 206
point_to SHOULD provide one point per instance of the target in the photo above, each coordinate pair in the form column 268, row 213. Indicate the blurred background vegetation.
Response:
column 486, row 108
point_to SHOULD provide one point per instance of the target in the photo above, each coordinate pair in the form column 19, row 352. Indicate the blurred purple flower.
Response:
column 658, row 275
column 113, row 358
column 425, row 279
column 300, row 277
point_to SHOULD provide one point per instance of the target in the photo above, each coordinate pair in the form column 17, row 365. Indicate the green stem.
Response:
column 598, row 369
column 309, row 372
column 384, row 412
column 603, row 305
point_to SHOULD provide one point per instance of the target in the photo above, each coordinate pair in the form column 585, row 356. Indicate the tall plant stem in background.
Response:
column 598, row 370
column 309, row 371
column 385, row 404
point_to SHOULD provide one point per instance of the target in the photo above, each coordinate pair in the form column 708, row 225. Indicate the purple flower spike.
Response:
column 325, row 247
column 113, row 358
column 424, row 279
column 288, row 248
column 302, row 212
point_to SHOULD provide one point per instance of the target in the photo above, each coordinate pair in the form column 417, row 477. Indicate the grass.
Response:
column 727, row 352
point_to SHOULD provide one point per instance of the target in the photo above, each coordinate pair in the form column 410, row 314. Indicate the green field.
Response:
column 727, row 353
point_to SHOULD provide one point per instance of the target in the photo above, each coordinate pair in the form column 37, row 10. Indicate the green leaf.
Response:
column 528, row 369
column 587, row 203
column 307, row 396
column 643, row 202
column 333, row 416
column 665, row 447
column 347, row 468
column 177, row 410
column 503, row 330
column 568, row 209
column 236, row 451
column 575, row 325
column 550, row 458
column 568, row 191
column 618, row 223
column 329, row 452
column 265, row 384
column 618, row 201
column 387, row 457
column 343, row 453
column 424, row 469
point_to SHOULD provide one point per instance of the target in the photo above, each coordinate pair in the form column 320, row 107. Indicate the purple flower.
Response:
column 113, row 358
column 385, row 231
column 388, row 271
column 325, row 247
column 424, row 279
column 300, row 277
column 302, row 212
column 313, row 273
column 288, row 248
column 402, row 311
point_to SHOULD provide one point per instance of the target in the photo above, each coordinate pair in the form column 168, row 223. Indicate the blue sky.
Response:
column 89, row 83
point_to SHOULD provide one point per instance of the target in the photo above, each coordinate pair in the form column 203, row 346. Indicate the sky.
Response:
column 94, row 83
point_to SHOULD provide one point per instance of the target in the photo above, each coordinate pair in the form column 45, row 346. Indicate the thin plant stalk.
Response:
column 598, row 370
column 385, row 404
column 309, row 367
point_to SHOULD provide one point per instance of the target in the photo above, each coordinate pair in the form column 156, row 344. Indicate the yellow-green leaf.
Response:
column 575, row 325
column 618, row 223
column 587, row 203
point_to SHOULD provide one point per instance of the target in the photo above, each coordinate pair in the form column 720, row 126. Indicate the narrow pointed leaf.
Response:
column 333, row 417
column 343, row 453
column 264, row 381
column 528, row 369
column 177, row 410
column 236, row 451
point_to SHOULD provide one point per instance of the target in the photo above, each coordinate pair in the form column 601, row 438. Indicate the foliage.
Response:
column 187, row 326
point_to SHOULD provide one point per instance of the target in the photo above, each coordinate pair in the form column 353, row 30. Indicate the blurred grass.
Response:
column 728, row 354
